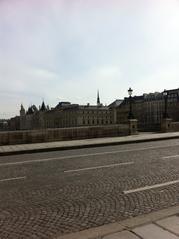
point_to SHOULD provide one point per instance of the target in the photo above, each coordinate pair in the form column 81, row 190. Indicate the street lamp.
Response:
column 165, row 95
column 130, row 116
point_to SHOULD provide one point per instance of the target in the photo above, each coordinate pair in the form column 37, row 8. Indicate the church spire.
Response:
column 22, row 110
column 98, row 99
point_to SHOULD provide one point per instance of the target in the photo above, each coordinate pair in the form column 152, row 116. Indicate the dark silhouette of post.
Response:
column 130, row 116
column 165, row 114
column 132, row 121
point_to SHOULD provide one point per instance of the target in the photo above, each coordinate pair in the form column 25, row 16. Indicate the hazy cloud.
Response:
column 66, row 50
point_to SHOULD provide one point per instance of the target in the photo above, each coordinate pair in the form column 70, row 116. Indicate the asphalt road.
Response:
column 45, row 195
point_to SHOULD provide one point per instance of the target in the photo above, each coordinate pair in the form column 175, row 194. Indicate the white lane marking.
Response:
column 150, row 187
column 82, row 155
column 97, row 167
column 11, row 179
column 171, row 156
column 28, row 161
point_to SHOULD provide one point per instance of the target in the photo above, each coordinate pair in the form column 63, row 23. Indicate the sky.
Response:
column 65, row 50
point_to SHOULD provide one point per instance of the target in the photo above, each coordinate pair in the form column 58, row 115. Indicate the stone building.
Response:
column 14, row 123
column 4, row 126
column 66, row 114
column 148, row 109
column 113, row 106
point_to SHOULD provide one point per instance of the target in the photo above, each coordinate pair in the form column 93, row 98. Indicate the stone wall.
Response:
column 167, row 125
column 175, row 126
column 59, row 134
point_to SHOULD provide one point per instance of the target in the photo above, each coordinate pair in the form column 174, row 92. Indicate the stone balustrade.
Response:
column 59, row 134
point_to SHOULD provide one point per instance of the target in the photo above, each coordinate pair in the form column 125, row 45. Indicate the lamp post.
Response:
column 165, row 95
column 130, row 116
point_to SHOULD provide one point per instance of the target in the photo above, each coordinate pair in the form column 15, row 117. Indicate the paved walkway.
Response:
column 76, row 144
column 163, row 224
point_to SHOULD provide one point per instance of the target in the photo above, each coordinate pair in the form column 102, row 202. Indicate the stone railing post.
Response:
column 133, row 126
column 166, row 125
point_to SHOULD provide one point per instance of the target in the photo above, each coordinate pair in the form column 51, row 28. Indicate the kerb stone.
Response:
column 151, row 231
column 170, row 223
column 122, row 235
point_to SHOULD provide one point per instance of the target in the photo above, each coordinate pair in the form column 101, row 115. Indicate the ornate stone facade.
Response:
column 64, row 115
column 148, row 109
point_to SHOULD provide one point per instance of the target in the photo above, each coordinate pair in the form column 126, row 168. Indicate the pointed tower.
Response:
column 22, row 118
column 22, row 110
column 98, row 99
column 43, row 107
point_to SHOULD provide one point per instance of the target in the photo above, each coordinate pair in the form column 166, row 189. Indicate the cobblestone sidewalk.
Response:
column 163, row 224
column 167, row 228
column 76, row 144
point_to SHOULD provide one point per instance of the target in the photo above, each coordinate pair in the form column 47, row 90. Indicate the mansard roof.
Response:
column 115, row 103
column 62, row 104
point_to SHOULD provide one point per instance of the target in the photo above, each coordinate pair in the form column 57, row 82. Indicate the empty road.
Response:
column 45, row 195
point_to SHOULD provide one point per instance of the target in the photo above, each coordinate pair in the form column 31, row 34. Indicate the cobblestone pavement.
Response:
column 50, row 194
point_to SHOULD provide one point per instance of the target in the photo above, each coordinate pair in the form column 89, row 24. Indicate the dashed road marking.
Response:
column 98, row 167
column 11, row 179
column 28, row 161
column 151, row 187
column 171, row 156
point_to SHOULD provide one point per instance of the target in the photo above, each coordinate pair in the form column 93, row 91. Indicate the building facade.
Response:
column 64, row 115
column 148, row 109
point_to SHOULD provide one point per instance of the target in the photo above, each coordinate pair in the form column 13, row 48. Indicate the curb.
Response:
column 127, row 224
column 88, row 145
